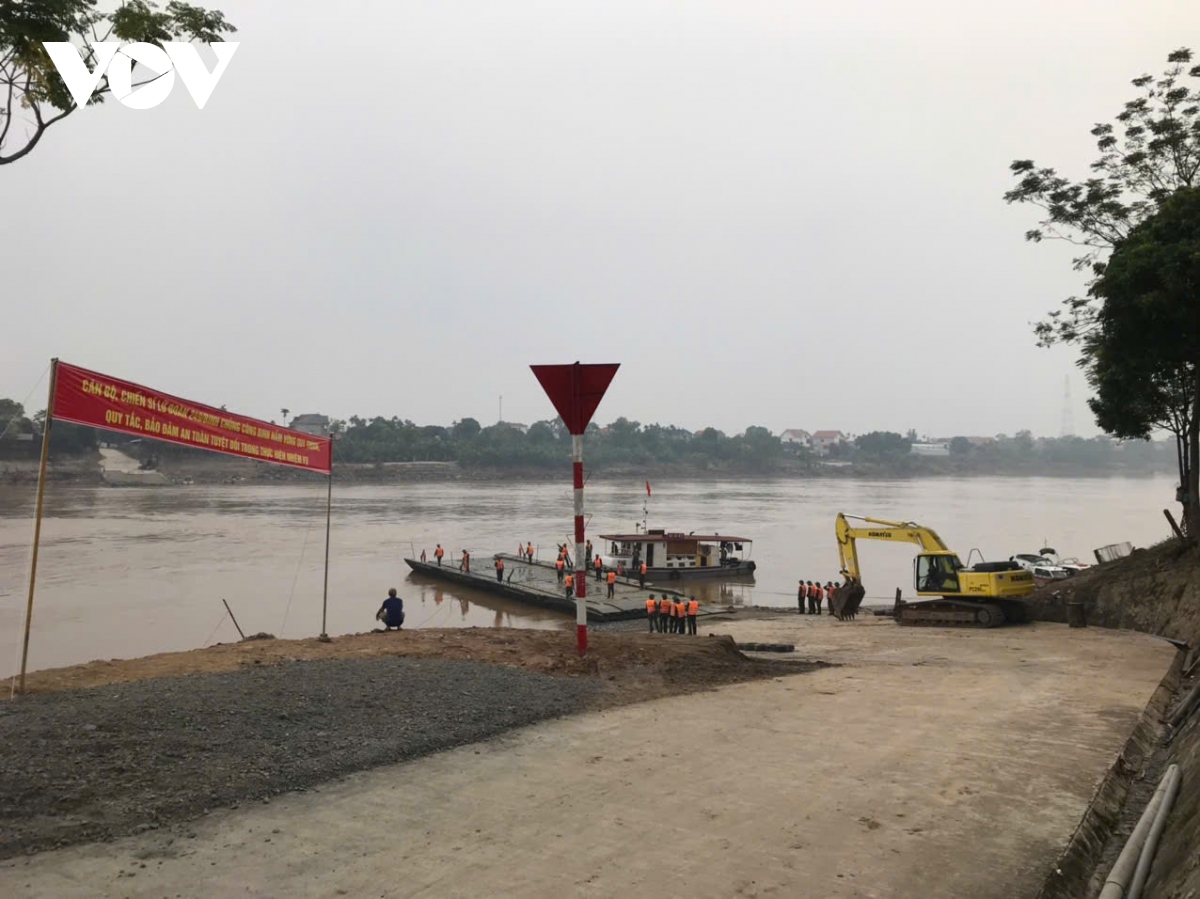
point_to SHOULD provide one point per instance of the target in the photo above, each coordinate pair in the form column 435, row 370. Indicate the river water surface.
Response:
column 126, row 572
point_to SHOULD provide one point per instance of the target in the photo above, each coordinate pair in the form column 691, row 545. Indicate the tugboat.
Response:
column 675, row 555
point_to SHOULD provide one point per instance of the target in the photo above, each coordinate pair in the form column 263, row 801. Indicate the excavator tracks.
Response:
column 955, row 613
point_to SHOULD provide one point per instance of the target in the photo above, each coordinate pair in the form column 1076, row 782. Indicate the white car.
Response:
column 1071, row 565
column 1043, row 569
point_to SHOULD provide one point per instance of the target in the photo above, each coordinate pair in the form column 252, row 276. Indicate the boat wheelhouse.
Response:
column 678, row 555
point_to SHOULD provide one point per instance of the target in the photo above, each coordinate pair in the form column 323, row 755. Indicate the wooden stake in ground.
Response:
column 37, row 519
column 234, row 620
column 324, row 638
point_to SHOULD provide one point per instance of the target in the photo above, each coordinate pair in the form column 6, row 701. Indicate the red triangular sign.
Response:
column 575, row 390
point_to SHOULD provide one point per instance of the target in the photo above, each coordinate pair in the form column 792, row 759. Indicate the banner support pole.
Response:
column 324, row 638
column 37, row 519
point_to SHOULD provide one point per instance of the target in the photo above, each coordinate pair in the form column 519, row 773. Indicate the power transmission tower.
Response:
column 1068, row 416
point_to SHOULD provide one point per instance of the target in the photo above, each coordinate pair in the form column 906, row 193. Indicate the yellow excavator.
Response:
column 984, row 595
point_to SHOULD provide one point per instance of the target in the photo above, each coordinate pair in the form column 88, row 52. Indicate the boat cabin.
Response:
column 670, row 550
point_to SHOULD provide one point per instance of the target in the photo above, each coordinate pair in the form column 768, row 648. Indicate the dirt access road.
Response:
column 933, row 763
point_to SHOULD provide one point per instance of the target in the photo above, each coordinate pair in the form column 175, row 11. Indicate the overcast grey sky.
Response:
column 781, row 213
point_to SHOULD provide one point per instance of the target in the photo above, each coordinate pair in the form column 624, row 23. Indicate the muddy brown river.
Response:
column 131, row 571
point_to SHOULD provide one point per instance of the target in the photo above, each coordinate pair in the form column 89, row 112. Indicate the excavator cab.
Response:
column 937, row 573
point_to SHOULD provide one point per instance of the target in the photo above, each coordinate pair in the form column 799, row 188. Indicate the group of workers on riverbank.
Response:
column 672, row 616
column 813, row 594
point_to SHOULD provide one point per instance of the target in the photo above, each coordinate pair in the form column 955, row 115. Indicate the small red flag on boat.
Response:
column 647, row 488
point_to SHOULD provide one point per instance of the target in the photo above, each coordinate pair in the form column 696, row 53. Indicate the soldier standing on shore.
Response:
column 652, row 612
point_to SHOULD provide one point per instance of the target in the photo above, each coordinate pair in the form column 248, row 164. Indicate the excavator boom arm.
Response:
column 893, row 531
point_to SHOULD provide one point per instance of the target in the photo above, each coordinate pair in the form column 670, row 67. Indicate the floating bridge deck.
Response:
column 536, row 583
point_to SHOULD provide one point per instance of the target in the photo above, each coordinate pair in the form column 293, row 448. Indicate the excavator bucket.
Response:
column 846, row 600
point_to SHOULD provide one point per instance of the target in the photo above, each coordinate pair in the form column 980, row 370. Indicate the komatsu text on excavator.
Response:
column 984, row 595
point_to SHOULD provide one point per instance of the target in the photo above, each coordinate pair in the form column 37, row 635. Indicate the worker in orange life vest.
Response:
column 801, row 595
column 642, row 575
column 438, row 553
column 612, row 583
column 693, row 610
column 651, row 612
column 569, row 580
column 499, row 570
column 820, row 596
column 465, row 564
column 559, row 565
column 529, row 551
column 599, row 566
column 681, row 612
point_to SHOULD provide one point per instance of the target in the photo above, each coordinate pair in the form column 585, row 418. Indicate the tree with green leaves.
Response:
column 1150, row 155
column 883, row 444
column 33, row 95
column 12, row 414
column 1143, row 354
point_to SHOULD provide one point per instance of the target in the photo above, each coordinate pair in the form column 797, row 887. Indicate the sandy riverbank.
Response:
column 106, row 749
column 863, row 780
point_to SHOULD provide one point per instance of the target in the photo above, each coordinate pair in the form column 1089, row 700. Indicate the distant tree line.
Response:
column 20, row 435
column 1020, row 452
column 547, row 443
column 625, row 443
column 630, row 444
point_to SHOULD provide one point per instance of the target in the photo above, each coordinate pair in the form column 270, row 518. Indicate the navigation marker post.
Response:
column 576, row 391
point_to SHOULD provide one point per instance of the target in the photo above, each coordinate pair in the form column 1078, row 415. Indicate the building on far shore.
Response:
column 930, row 449
column 796, row 436
column 821, row 441
column 317, row 425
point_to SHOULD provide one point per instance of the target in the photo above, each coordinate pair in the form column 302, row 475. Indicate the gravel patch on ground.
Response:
column 95, row 764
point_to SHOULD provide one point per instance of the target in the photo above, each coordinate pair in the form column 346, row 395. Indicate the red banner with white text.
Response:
column 87, row 398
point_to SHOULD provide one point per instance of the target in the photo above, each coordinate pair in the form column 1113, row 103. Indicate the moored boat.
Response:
column 675, row 555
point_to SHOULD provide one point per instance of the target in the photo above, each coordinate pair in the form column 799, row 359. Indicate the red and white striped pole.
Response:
column 576, row 391
column 581, row 564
